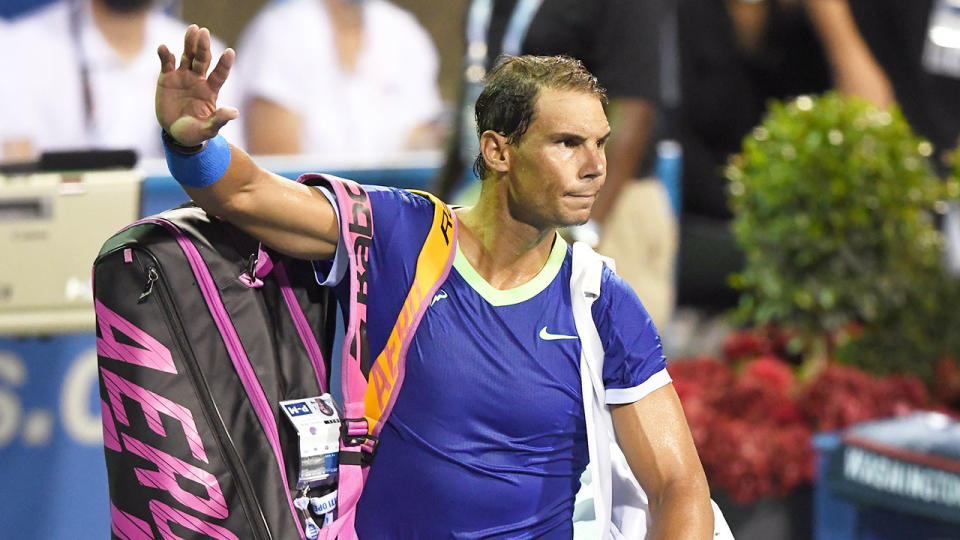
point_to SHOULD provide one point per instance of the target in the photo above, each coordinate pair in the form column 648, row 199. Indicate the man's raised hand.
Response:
column 186, row 99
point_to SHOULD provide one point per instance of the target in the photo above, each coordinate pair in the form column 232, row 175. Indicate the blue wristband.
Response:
column 201, row 169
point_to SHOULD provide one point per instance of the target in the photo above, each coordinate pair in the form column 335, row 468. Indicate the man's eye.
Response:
column 569, row 143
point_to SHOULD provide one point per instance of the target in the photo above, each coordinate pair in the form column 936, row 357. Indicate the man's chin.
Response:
column 578, row 217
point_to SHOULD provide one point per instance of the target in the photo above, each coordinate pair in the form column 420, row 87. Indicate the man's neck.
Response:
column 124, row 32
column 505, row 251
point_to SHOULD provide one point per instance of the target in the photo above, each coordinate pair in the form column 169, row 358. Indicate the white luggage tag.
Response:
column 317, row 422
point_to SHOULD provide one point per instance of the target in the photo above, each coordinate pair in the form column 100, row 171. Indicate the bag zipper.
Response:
column 208, row 406
column 302, row 325
column 152, row 278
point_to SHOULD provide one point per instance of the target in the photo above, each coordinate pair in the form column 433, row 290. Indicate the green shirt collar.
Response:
column 528, row 290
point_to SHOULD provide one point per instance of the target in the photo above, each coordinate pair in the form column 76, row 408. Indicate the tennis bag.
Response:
column 200, row 334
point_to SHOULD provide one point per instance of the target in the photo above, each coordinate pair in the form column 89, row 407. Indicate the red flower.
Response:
column 772, row 371
column 796, row 458
column 901, row 394
column 841, row 396
column 786, row 413
column 946, row 383
column 737, row 459
column 746, row 428
column 745, row 344
column 701, row 376
column 752, row 428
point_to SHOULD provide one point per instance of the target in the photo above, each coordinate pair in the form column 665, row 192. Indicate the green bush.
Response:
column 833, row 203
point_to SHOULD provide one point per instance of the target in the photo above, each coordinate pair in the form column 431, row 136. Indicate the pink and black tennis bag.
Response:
column 201, row 332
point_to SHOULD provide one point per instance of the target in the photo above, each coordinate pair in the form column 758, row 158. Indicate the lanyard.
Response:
column 83, row 65
column 478, row 23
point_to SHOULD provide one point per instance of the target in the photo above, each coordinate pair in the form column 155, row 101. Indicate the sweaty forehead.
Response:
column 570, row 111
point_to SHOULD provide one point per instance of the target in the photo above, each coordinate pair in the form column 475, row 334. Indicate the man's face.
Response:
column 559, row 164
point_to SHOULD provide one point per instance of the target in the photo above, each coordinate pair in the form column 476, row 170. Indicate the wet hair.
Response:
column 506, row 104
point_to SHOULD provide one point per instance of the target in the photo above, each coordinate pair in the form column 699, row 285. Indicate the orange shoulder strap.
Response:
column 433, row 265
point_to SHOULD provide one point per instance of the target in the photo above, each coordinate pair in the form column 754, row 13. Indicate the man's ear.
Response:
column 494, row 148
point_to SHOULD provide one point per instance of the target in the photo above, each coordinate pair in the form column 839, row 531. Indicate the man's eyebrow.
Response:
column 565, row 135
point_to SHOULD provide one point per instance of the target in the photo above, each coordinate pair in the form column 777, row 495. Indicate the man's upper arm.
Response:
column 648, row 419
column 633, row 362
column 637, row 385
column 656, row 441
column 647, row 416
column 654, row 437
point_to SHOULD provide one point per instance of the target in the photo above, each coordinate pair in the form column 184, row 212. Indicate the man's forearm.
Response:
column 855, row 69
column 289, row 217
column 656, row 441
column 682, row 511
column 226, row 196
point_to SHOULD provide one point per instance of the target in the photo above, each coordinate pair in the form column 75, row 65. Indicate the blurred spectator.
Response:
column 82, row 74
column 618, row 41
column 339, row 77
column 893, row 50
column 734, row 56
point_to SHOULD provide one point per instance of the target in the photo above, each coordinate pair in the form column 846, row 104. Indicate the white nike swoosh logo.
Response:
column 552, row 337
column 439, row 296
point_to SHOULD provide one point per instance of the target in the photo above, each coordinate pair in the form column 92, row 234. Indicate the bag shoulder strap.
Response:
column 368, row 400
column 433, row 266
column 356, row 231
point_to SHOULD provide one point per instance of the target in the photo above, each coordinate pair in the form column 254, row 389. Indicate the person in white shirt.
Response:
column 339, row 78
column 81, row 75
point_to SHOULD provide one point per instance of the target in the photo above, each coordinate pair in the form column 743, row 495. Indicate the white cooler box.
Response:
column 51, row 228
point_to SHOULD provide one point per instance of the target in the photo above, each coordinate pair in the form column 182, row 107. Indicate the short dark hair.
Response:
column 506, row 104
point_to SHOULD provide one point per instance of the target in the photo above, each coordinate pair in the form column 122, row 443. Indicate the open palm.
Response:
column 186, row 100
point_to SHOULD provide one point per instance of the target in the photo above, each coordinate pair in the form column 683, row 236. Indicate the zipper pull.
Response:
column 152, row 277
column 303, row 501
column 252, row 266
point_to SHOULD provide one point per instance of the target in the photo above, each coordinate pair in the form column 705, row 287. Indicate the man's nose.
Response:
column 595, row 162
